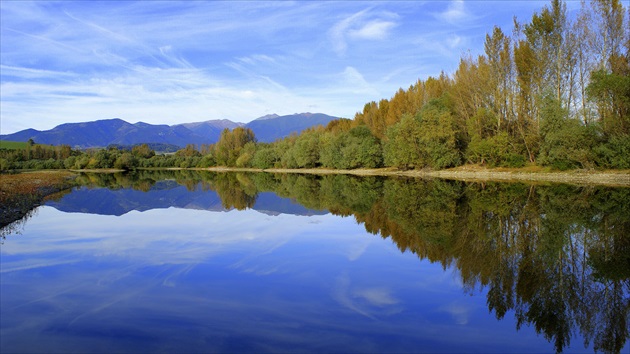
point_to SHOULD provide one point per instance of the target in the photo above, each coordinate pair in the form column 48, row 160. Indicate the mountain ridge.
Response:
column 116, row 131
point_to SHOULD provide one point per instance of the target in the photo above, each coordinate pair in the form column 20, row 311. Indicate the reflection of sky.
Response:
column 180, row 280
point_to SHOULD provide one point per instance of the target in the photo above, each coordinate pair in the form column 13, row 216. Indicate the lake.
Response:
column 184, row 261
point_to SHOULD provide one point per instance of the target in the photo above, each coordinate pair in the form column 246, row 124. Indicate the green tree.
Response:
column 143, row 151
column 188, row 151
column 611, row 92
column 246, row 155
column 566, row 143
column 356, row 148
column 402, row 144
column 230, row 143
column 126, row 161
column 438, row 143
column 361, row 149
column 306, row 148
column 265, row 157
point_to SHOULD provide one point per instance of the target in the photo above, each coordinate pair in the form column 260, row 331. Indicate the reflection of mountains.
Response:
column 166, row 194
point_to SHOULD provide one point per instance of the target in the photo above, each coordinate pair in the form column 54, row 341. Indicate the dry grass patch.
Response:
column 31, row 183
column 20, row 193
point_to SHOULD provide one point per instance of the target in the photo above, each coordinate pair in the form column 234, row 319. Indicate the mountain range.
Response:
column 102, row 133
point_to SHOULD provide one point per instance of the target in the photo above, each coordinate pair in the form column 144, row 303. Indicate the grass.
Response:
column 19, row 145
column 29, row 183
column 12, row 145
column 21, row 192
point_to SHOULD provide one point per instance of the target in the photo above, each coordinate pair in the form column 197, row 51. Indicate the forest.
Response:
column 552, row 91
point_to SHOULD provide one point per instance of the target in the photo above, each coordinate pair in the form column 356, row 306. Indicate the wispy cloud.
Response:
column 170, row 62
column 257, row 59
column 361, row 25
column 351, row 77
column 31, row 73
column 375, row 30
column 456, row 11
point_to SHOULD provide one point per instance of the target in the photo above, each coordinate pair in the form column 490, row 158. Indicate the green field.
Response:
column 12, row 145
column 16, row 145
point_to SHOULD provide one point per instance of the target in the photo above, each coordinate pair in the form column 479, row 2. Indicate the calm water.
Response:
column 201, row 262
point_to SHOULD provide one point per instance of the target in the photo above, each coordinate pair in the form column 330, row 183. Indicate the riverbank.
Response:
column 614, row 178
column 21, row 192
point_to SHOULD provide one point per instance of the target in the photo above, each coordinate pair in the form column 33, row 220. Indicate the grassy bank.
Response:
column 20, row 193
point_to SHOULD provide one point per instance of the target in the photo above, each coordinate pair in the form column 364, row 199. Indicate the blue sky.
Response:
column 165, row 62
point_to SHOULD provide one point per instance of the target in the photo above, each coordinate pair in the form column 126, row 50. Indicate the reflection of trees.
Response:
column 142, row 181
column 17, row 211
column 236, row 190
column 534, row 247
column 558, row 257
column 15, row 227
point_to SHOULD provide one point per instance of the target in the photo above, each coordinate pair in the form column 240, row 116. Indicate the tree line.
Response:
column 555, row 91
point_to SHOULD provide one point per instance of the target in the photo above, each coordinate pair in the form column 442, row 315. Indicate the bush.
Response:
column 265, row 157
column 566, row 143
column 207, row 161
column 356, row 148
column 126, row 161
column 515, row 160
column 615, row 153
column 244, row 160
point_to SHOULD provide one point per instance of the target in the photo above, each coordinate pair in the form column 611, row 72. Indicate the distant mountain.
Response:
column 272, row 127
column 211, row 129
column 268, row 116
column 106, row 132
column 102, row 133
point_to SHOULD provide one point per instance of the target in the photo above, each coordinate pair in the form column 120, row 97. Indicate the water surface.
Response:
column 201, row 262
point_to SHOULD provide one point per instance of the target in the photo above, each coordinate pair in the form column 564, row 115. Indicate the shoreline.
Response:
column 619, row 178
column 470, row 173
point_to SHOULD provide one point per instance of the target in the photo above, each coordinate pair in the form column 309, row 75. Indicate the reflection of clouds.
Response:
column 341, row 293
column 180, row 280
column 358, row 248
column 170, row 279
column 376, row 296
column 461, row 312
column 367, row 301
column 30, row 264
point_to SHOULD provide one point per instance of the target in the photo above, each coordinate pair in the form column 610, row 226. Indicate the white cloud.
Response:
column 360, row 25
column 455, row 12
column 338, row 32
column 374, row 30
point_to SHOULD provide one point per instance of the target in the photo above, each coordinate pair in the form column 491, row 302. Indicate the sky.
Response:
column 167, row 62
